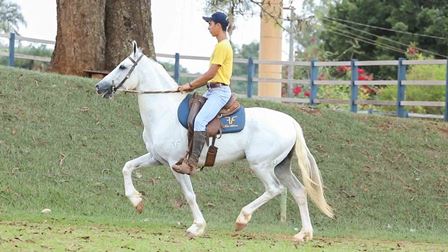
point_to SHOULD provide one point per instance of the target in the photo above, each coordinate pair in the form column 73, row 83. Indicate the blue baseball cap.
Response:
column 219, row 18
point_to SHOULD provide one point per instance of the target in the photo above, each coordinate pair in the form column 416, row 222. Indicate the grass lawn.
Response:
column 62, row 147
column 53, row 234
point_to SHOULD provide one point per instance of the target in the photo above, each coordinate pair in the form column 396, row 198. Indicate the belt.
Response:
column 215, row 84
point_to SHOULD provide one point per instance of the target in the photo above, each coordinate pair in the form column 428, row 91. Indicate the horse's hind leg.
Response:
column 133, row 195
column 265, row 172
column 297, row 190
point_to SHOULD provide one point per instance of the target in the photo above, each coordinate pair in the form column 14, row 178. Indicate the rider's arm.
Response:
column 201, row 80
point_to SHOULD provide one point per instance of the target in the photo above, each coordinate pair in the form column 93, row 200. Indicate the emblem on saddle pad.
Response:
column 230, row 124
column 231, row 121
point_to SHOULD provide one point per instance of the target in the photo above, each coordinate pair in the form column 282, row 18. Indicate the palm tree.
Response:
column 10, row 17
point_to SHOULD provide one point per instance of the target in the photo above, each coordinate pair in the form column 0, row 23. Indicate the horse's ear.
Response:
column 134, row 46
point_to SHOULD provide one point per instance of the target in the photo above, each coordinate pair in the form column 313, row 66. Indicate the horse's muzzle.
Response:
column 104, row 89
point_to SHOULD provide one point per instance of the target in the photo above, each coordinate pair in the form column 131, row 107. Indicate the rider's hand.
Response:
column 185, row 87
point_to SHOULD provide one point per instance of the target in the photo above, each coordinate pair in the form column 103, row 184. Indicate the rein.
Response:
column 149, row 92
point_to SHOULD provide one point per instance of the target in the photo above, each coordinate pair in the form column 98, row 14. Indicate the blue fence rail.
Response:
column 313, row 80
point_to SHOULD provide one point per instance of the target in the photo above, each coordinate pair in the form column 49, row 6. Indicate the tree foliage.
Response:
column 308, row 28
column 345, row 38
column 236, row 7
column 242, row 8
column 10, row 17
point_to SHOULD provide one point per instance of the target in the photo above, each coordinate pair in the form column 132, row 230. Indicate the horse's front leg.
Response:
column 199, row 224
column 133, row 195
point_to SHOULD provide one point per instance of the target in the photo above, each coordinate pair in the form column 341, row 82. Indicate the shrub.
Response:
column 419, row 93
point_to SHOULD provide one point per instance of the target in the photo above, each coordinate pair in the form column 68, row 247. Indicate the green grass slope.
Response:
column 62, row 147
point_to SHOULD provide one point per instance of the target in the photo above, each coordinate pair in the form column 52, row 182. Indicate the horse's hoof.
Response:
column 240, row 226
column 302, row 237
column 139, row 207
column 190, row 235
column 196, row 230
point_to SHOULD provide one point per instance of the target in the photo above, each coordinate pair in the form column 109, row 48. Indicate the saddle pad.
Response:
column 232, row 123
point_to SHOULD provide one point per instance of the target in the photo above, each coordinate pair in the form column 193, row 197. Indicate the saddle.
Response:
column 214, row 127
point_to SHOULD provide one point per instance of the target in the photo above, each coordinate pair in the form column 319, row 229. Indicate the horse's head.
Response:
column 123, row 76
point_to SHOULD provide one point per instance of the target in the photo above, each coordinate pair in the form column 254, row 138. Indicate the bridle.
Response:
column 135, row 62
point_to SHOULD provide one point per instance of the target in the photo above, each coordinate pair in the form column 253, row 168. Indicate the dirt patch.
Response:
column 385, row 126
column 443, row 131
column 311, row 111
column 59, row 237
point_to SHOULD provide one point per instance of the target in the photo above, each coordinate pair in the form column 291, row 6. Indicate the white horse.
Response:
column 268, row 141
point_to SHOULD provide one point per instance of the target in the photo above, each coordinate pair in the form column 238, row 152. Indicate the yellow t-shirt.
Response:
column 223, row 56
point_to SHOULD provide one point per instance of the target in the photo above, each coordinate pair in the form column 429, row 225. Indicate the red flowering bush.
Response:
column 343, row 69
column 362, row 76
column 297, row 90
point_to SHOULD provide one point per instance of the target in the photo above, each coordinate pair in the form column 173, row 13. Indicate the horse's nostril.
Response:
column 97, row 88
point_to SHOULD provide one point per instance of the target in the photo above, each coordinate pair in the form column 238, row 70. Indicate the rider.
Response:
column 217, row 79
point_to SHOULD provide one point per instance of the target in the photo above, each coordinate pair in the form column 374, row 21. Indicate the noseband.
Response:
column 115, row 88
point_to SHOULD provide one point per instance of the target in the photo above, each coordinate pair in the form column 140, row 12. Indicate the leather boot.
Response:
column 190, row 165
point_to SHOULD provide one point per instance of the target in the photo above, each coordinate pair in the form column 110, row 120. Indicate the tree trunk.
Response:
column 127, row 21
column 97, row 35
column 80, row 40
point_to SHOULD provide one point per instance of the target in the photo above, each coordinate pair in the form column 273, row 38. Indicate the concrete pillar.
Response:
column 270, row 48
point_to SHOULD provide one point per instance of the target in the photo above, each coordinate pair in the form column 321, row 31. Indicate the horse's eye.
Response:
column 122, row 67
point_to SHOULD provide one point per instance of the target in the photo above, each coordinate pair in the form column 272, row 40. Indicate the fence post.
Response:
column 354, row 87
column 250, row 77
column 290, row 76
column 401, row 89
column 12, row 40
column 445, row 117
column 176, row 67
column 314, row 71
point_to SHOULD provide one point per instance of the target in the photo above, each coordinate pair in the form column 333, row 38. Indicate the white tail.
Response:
column 310, row 174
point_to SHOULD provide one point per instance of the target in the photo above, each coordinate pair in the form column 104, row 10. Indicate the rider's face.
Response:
column 213, row 28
